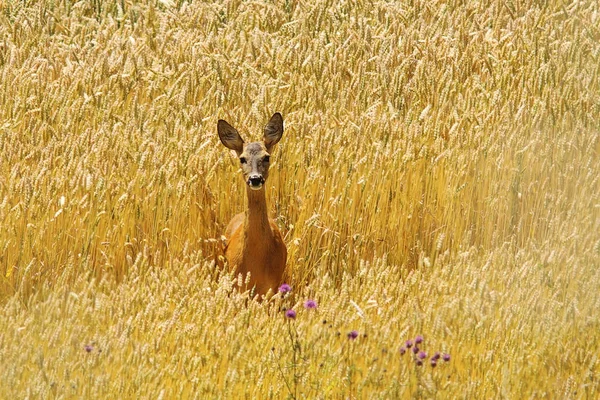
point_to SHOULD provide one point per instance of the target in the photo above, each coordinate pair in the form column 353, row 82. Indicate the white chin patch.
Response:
column 256, row 187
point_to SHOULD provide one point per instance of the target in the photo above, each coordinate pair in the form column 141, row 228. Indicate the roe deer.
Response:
column 253, row 242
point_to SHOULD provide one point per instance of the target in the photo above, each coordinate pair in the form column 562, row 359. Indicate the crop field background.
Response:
column 438, row 176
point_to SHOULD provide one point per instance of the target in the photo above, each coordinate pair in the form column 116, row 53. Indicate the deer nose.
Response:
column 256, row 180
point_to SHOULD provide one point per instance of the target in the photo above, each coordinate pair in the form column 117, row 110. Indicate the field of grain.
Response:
column 438, row 176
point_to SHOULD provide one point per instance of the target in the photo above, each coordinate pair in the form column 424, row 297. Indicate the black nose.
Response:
column 256, row 180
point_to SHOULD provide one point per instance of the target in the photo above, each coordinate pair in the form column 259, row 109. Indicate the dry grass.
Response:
column 439, row 175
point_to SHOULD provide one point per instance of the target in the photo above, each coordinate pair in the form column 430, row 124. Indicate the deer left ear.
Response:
column 273, row 131
column 230, row 137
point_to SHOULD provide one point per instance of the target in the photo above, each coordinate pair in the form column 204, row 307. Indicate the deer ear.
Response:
column 273, row 131
column 230, row 137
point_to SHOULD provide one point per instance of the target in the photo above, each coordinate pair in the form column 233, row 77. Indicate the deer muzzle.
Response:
column 256, row 181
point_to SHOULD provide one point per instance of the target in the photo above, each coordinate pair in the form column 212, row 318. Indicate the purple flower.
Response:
column 415, row 350
column 291, row 314
column 419, row 339
column 285, row 288
column 402, row 350
column 436, row 356
column 88, row 348
column 446, row 357
column 310, row 304
column 409, row 343
column 433, row 363
column 352, row 335
column 419, row 363
column 422, row 355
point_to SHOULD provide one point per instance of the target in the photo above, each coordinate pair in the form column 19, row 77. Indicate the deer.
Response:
column 253, row 243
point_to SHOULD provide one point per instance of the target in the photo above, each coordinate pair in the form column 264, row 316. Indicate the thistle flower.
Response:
column 310, row 304
column 446, row 357
column 415, row 350
column 285, row 288
column 409, row 343
column 422, row 355
column 433, row 363
column 419, row 363
column 291, row 314
column 419, row 339
column 88, row 348
column 352, row 335
column 436, row 356
column 402, row 350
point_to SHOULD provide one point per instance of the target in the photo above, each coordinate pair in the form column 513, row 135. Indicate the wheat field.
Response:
column 438, row 177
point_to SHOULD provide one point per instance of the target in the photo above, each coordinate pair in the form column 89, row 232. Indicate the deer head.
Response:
column 254, row 157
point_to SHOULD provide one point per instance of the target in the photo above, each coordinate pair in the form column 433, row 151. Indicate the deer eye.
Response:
column 243, row 160
column 266, row 159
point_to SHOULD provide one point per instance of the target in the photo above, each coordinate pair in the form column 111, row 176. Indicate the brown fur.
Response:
column 253, row 242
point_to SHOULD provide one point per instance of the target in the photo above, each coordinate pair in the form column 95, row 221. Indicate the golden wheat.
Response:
column 439, row 175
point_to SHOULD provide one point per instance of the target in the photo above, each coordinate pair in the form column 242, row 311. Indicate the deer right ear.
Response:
column 273, row 131
column 230, row 137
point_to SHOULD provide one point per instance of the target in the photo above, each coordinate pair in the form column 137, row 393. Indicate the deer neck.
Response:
column 257, row 220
